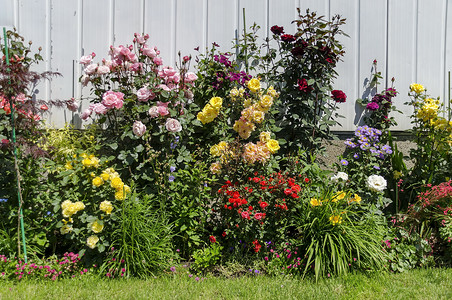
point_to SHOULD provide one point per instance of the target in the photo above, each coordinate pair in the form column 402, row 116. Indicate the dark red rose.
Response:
column 287, row 38
column 338, row 96
column 212, row 239
column 303, row 85
column 277, row 30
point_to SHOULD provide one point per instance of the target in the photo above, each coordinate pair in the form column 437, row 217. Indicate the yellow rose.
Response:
column 273, row 146
column 222, row 145
column 65, row 229
column 66, row 204
column 106, row 207
column 117, row 183
column 92, row 241
column 120, row 195
column 97, row 181
column 234, row 93
column 215, row 168
column 78, row 206
column 216, row 102
column 87, row 162
column 105, row 176
column 417, row 88
column 68, row 166
column 266, row 102
column 264, row 136
column 247, row 102
column 215, row 150
column 97, row 227
column 95, row 162
column 258, row 116
column 272, row 92
column 254, row 85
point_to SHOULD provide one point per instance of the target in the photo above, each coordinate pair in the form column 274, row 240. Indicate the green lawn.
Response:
column 418, row 284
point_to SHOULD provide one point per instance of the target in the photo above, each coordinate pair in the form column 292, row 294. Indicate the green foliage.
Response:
column 205, row 259
column 186, row 205
column 140, row 244
column 303, row 69
column 407, row 251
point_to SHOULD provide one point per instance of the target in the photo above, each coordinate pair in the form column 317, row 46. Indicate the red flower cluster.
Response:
column 277, row 29
column 288, row 38
column 257, row 246
column 303, row 85
column 338, row 96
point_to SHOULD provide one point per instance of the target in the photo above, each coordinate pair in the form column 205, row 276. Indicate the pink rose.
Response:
column 84, row 60
column 150, row 52
column 162, row 110
column 98, row 108
column 173, row 125
column 143, row 94
column 158, row 61
column 160, row 103
column 86, row 114
column 259, row 216
column 44, row 107
column 136, row 67
column 164, row 87
column 138, row 128
column 21, row 98
column 169, row 71
column 190, row 77
column 101, row 70
column 154, row 111
column 112, row 99
column 90, row 69
column 245, row 215
column 140, row 39
column 132, row 57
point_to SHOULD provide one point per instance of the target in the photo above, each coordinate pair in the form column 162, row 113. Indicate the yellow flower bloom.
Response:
column 92, row 241
column 68, row 166
column 397, row 174
column 215, row 168
column 66, row 204
column 84, row 155
column 105, row 176
column 417, row 88
column 336, row 219
column 97, row 181
column 241, row 92
column 65, row 229
column 266, row 102
column 117, row 183
column 87, row 162
column 215, row 150
column 339, row 196
column 272, row 92
column 95, row 162
column 429, row 110
column 97, row 227
column 106, row 207
column 120, row 195
column 264, row 136
column 355, row 198
column 243, row 128
column 79, row 206
column 258, row 116
column 315, row 202
column 273, row 146
column 254, row 85
column 234, row 93
column 216, row 102
column 126, row 189
column 247, row 102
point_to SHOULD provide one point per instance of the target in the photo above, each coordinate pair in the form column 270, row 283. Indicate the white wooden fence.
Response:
column 411, row 39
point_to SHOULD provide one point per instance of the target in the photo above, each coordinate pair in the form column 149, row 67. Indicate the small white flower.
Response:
column 340, row 175
column 376, row 183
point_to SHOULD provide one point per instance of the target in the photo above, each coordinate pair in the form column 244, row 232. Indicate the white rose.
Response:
column 143, row 94
column 154, row 111
column 101, row 70
column 138, row 128
column 376, row 183
column 84, row 60
column 173, row 125
column 90, row 69
column 339, row 175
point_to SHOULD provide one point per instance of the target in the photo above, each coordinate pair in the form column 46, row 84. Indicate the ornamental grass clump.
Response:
column 334, row 235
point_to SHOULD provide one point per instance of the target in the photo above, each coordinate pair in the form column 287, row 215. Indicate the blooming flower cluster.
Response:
column 376, row 183
column 428, row 110
column 367, row 140
column 210, row 110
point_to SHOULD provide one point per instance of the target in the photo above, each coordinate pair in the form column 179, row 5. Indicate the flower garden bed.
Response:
column 217, row 172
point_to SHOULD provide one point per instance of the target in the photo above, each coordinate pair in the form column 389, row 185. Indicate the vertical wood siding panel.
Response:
column 448, row 49
column 348, row 68
column 401, row 59
column 7, row 14
column 430, row 46
column 158, row 24
column 322, row 7
column 127, row 21
column 64, row 50
column 221, row 24
column 33, row 27
column 190, row 30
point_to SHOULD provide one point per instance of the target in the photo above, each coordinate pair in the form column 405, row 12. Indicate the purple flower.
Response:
column 171, row 178
column 344, row 162
column 197, row 278
column 356, row 155
column 172, row 169
column 372, row 106
column 350, row 144
column 376, row 167
column 173, row 269
column 387, row 149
